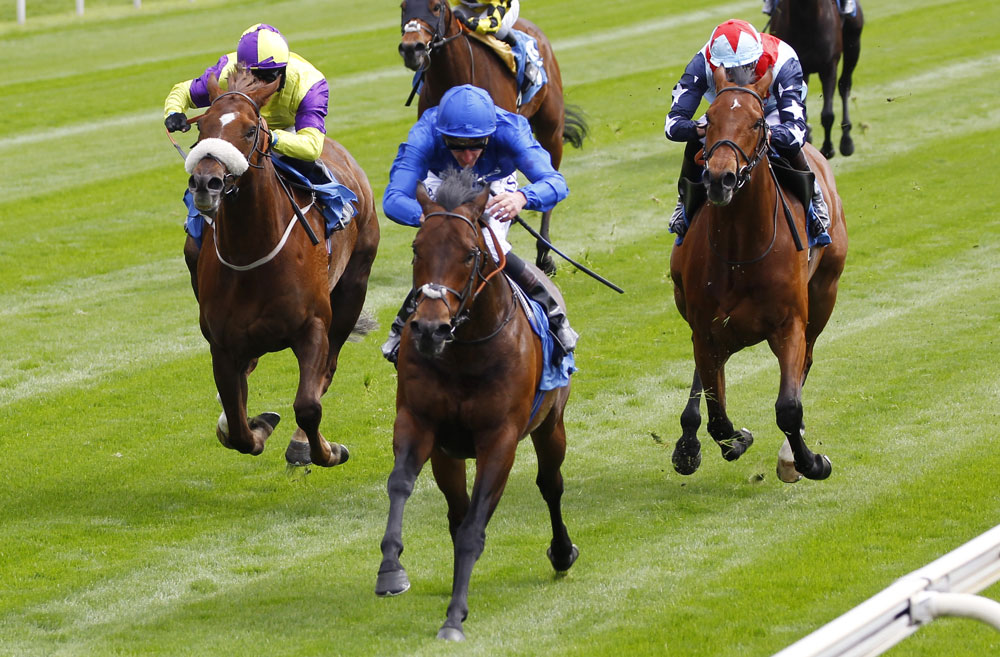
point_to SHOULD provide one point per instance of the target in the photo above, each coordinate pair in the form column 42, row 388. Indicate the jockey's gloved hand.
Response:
column 177, row 121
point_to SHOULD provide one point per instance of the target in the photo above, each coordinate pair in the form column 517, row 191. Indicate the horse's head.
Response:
column 424, row 25
column 736, row 135
column 232, row 137
column 448, row 257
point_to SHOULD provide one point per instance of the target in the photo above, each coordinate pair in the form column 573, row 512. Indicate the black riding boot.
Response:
column 526, row 278
column 820, row 220
column 390, row 348
column 687, row 185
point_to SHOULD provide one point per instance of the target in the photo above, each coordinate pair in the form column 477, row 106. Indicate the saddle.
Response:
column 500, row 48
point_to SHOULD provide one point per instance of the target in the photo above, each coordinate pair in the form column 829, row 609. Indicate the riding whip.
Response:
column 576, row 264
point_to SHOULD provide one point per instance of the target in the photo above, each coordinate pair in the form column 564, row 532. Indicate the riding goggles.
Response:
column 267, row 74
column 466, row 143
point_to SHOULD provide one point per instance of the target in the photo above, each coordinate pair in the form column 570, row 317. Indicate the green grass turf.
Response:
column 128, row 530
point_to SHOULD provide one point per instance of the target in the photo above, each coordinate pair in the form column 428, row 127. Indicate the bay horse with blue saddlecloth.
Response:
column 819, row 34
column 436, row 43
column 740, row 278
column 472, row 382
column 262, row 284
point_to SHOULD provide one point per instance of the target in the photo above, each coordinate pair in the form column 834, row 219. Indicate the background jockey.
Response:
column 847, row 7
column 467, row 130
column 296, row 114
column 495, row 17
column 745, row 54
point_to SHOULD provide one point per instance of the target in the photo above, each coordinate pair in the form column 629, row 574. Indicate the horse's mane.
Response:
column 740, row 76
column 458, row 186
column 241, row 79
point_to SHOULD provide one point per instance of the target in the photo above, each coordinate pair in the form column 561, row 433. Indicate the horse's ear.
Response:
column 263, row 93
column 721, row 81
column 423, row 198
column 761, row 86
column 213, row 88
column 482, row 199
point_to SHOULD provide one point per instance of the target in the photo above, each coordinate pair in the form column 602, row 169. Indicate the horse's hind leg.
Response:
column 311, row 352
column 711, row 369
column 852, row 50
column 687, row 451
column 828, row 78
column 548, row 126
column 550, row 446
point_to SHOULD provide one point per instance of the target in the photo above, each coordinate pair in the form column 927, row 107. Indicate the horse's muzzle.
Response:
column 430, row 335
column 206, row 190
column 720, row 187
column 414, row 54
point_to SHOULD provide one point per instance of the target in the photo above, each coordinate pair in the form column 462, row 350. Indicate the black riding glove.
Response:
column 177, row 121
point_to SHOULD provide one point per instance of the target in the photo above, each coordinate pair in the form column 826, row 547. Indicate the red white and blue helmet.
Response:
column 466, row 111
column 734, row 43
column 262, row 47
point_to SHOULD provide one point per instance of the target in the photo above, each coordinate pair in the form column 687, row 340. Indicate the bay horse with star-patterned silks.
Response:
column 436, row 42
column 469, row 365
column 739, row 279
column 262, row 284
column 819, row 34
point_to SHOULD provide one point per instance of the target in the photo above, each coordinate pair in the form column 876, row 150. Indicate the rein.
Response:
column 743, row 177
column 467, row 296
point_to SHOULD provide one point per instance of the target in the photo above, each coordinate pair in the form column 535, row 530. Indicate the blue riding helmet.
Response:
column 466, row 111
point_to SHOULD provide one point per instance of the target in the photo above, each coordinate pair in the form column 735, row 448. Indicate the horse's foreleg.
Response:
column 550, row 447
column 449, row 474
column 543, row 259
column 492, row 469
column 687, row 451
column 234, row 430
column 852, row 50
column 311, row 353
column 711, row 369
column 790, row 348
column 828, row 78
column 412, row 446
column 191, row 253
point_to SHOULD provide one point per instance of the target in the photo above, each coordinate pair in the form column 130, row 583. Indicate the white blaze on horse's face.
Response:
column 227, row 118
column 736, row 103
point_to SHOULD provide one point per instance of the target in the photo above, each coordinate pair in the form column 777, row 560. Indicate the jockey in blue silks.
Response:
column 746, row 55
column 467, row 130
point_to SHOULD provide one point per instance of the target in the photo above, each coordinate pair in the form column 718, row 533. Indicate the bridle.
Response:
column 416, row 17
column 743, row 176
column 760, row 150
column 230, row 181
column 467, row 295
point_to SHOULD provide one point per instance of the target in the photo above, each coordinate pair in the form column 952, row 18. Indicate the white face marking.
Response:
column 736, row 103
column 432, row 291
column 227, row 118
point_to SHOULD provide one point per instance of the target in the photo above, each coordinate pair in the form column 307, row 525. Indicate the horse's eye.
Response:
column 251, row 132
column 470, row 258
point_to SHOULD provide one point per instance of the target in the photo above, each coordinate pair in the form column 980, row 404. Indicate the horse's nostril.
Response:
column 729, row 179
column 214, row 185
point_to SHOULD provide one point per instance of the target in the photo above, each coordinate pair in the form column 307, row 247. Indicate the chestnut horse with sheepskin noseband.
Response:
column 435, row 42
column 262, row 284
column 739, row 280
column 469, row 365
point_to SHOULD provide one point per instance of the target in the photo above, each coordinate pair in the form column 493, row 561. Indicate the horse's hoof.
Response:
column 562, row 565
column 821, row 468
column 828, row 152
column 271, row 419
column 297, row 453
column 451, row 634
column 735, row 446
column 787, row 472
column 546, row 264
column 686, row 463
column 344, row 455
column 394, row 582
column 847, row 147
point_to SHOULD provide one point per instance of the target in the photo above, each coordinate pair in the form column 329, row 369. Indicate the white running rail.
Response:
column 945, row 587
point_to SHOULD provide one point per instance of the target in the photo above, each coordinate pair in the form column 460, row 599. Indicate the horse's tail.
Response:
column 575, row 128
column 366, row 324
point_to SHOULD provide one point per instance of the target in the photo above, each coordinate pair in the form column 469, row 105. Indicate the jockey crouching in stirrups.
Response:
column 467, row 130
column 296, row 115
column 497, row 17
column 745, row 54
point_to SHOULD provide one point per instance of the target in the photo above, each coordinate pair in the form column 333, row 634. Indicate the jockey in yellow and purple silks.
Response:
column 495, row 17
column 296, row 115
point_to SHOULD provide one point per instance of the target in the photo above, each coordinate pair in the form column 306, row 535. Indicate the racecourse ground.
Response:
column 126, row 529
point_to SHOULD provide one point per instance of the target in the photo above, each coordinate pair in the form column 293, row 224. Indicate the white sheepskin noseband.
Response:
column 230, row 156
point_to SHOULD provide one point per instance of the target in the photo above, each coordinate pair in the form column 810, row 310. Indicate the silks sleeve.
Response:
column 306, row 144
column 179, row 99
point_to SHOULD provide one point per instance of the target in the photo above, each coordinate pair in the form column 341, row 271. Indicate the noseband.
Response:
column 231, row 188
column 743, row 173
column 467, row 295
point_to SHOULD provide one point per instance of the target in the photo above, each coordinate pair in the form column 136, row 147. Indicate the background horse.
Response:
column 738, row 280
column 469, row 366
column 261, row 284
column 435, row 42
column 818, row 33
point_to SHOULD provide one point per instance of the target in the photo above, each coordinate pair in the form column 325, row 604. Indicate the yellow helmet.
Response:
column 262, row 47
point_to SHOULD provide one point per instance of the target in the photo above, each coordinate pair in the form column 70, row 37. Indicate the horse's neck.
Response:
column 745, row 226
column 249, row 221
column 489, row 308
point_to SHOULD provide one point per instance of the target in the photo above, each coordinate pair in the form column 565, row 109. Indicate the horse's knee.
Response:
column 308, row 413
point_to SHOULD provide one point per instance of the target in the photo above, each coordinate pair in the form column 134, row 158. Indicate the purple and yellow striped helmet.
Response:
column 262, row 47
